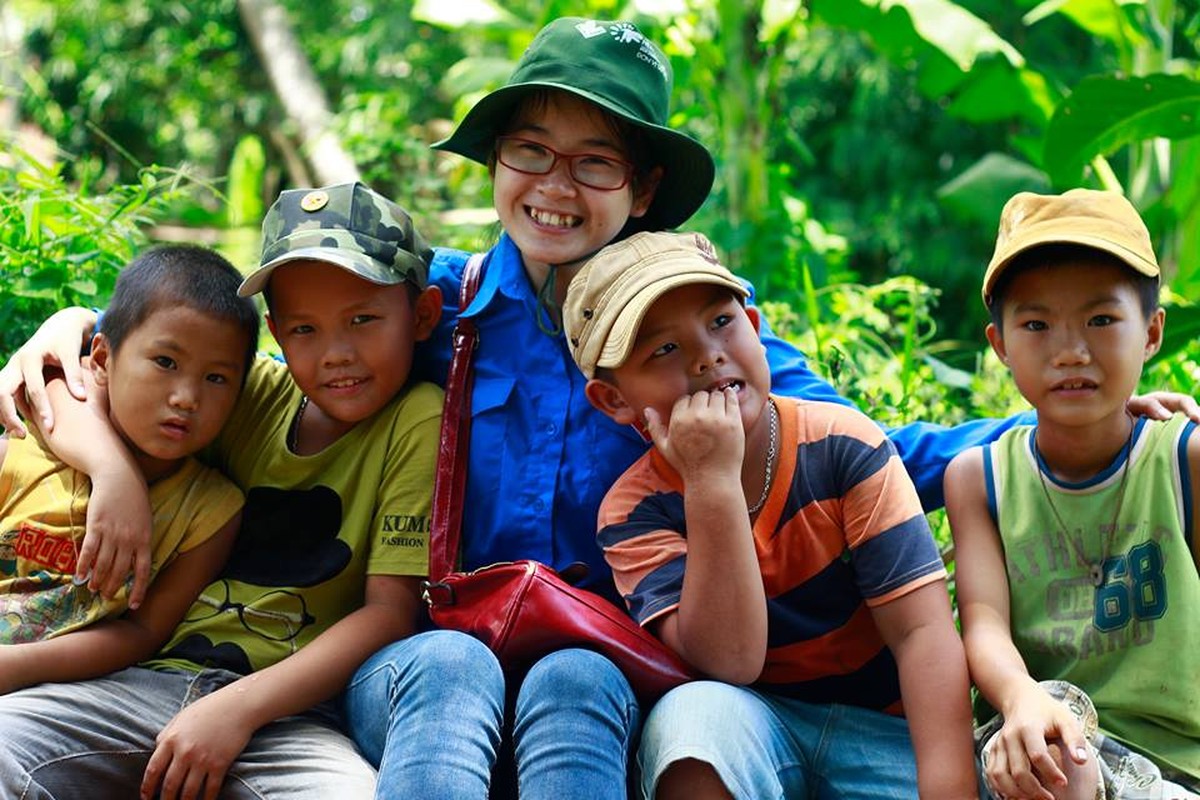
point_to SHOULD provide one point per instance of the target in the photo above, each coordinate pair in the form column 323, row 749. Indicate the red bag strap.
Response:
column 450, row 485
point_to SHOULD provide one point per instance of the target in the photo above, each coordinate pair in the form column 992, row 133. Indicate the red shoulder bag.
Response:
column 522, row 610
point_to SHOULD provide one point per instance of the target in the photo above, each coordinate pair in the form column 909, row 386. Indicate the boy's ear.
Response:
column 607, row 398
column 996, row 340
column 101, row 353
column 645, row 193
column 427, row 310
column 755, row 319
column 271, row 326
column 1154, row 332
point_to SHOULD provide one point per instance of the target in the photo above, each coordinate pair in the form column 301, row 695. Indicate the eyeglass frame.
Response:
column 214, row 609
column 630, row 167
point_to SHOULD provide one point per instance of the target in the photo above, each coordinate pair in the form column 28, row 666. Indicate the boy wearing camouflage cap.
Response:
column 336, row 452
column 1076, row 538
column 776, row 544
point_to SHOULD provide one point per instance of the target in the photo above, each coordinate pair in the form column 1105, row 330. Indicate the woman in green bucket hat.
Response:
column 580, row 154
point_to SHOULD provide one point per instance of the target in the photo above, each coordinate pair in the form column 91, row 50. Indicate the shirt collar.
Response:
column 503, row 273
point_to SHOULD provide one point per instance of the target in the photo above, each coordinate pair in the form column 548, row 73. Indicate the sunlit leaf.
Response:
column 1181, row 331
column 980, row 191
column 950, row 376
column 948, row 47
column 990, row 95
column 475, row 74
column 461, row 13
column 1104, row 113
column 1102, row 18
column 911, row 26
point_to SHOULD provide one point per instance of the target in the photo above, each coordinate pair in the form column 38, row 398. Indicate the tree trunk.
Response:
column 296, row 85
column 10, row 82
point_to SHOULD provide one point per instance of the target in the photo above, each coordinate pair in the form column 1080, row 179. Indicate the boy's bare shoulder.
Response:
column 964, row 474
column 1193, row 450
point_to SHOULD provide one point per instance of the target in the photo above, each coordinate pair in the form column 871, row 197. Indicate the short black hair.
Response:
column 180, row 275
column 1048, row 255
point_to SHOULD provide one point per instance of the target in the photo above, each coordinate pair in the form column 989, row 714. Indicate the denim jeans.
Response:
column 766, row 746
column 429, row 711
column 93, row 739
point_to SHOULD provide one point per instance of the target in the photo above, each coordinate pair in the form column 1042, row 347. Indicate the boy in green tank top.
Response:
column 1078, row 561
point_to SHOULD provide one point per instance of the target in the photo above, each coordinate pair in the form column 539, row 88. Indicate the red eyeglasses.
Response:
column 593, row 170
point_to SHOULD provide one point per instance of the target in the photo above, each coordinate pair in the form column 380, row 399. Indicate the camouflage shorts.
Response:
column 1125, row 775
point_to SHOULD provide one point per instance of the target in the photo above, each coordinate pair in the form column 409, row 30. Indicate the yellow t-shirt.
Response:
column 43, row 509
column 314, row 526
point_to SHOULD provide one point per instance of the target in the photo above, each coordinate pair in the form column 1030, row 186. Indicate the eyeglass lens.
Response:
column 590, row 169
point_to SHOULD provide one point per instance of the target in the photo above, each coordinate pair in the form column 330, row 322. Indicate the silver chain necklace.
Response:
column 1096, row 568
column 293, row 437
column 772, row 444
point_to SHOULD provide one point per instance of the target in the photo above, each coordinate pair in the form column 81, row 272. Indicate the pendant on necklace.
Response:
column 1097, row 573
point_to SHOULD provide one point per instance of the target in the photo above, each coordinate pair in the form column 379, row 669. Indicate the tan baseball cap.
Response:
column 613, row 291
column 1102, row 220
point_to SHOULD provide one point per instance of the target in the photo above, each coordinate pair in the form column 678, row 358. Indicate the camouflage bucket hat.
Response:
column 614, row 66
column 348, row 225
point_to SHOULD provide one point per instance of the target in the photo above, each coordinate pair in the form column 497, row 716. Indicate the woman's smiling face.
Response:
column 552, row 218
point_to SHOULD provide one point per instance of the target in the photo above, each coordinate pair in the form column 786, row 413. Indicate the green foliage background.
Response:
column 864, row 149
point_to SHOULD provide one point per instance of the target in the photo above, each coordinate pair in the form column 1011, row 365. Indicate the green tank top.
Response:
column 1131, row 638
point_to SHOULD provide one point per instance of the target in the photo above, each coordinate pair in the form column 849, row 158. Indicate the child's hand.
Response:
column 195, row 750
column 704, row 438
column 1022, row 764
column 55, row 343
column 1161, row 405
column 117, row 539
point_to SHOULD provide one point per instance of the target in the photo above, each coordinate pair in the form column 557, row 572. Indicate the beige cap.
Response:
column 1102, row 220
column 613, row 291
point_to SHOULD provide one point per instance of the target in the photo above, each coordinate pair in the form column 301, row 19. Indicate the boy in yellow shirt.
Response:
column 170, row 366
column 336, row 452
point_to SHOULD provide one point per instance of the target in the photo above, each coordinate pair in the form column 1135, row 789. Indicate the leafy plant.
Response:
column 62, row 244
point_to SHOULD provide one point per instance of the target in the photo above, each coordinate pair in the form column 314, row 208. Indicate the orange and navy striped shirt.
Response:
column 842, row 530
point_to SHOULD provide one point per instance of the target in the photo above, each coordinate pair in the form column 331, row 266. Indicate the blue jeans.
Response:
column 93, row 739
column 429, row 711
column 766, row 746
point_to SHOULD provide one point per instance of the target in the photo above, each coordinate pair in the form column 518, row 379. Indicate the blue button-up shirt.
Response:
column 541, row 458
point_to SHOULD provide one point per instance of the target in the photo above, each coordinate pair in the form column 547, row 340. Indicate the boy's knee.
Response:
column 700, row 705
column 690, row 779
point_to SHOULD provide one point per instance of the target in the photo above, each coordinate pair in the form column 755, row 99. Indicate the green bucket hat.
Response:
column 614, row 66
column 348, row 225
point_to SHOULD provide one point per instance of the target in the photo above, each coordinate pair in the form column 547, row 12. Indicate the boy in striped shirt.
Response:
column 776, row 544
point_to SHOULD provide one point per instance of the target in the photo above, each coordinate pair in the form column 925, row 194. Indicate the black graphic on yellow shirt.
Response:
column 288, row 542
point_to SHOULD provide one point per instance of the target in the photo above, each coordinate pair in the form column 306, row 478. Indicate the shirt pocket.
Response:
column 491, row 417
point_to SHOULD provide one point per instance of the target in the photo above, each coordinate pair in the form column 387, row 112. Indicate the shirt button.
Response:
column 539, row 505
column 552, row 429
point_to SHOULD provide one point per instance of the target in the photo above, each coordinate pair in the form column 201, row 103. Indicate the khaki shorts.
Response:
column 1125, row 775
